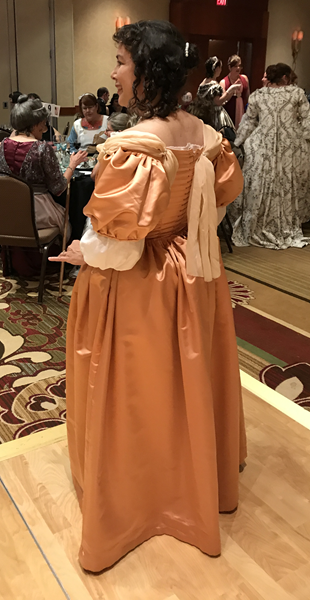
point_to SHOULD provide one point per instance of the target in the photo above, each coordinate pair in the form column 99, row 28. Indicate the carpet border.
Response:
column 59, row 432
column 277, row 320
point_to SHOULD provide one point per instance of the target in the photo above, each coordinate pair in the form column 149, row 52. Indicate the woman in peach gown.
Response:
column 155, row 423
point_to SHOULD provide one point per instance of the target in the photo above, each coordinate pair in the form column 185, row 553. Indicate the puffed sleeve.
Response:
column 132, row 191
column 54, row 179
column 216, row 91
column 228, row 175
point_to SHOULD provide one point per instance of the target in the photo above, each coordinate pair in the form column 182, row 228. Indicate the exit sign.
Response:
column 221, row 2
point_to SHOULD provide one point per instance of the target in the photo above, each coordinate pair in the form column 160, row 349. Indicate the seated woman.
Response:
column 238, row 101
column 115, row 106
column 51, row 134
column 25, row 155
column 275, row 132
column 91, row 123
column 211, row 91
column 117, row 122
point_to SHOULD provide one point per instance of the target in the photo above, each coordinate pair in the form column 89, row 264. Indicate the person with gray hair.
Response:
column 25, row 154
column 117, row 122
column 51, row 134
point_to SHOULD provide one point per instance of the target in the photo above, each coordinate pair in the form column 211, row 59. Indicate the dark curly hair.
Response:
column 203, row 108
column 162, row 60
column 211, row 64
column 276, row 73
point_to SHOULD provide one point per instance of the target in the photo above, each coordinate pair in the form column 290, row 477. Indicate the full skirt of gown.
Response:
column 155, row 422
column 276, row 197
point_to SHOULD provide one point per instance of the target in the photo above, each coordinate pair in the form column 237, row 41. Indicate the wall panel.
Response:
column 64, row 51
column 33, row 47
column 5, row 72
column 285, row 16
column 94, row 50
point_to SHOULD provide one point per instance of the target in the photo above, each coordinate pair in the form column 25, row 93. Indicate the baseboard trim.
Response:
column 33, row 442
column 284, row 405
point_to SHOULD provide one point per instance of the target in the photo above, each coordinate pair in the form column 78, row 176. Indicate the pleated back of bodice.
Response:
column 174, row 219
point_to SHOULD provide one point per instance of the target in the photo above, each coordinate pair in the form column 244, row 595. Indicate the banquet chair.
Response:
column 4, row 133
column 17, row 222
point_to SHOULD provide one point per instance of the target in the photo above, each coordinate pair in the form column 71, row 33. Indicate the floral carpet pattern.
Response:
column 275, row 354
column 292, row 381
column 239, row 293
column 33, row 353
column 32, row 356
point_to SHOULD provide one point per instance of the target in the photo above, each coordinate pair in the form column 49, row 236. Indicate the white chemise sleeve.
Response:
column 108, row 253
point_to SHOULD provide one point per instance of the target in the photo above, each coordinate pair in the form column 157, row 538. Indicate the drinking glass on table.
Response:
column 65, row 159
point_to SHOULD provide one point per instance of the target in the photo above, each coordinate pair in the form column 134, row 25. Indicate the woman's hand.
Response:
column 236, row 89
column 77, row 158
column 72, row 255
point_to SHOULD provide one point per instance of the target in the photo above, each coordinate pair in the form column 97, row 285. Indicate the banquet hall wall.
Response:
column 284, row 17
column 85, row 55
column 94, row 53
column 25, row 58
column 260, row 29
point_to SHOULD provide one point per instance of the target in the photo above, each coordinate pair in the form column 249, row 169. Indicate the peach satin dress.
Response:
column 155, row 422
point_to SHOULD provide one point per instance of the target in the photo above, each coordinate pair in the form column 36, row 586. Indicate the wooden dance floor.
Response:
column 265, row 545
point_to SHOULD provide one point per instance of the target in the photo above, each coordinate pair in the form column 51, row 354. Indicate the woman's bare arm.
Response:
column 234, row 89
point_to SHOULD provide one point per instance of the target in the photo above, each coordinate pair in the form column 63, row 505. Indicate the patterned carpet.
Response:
column 33, row 341
column 32, row 357
column 274, row 353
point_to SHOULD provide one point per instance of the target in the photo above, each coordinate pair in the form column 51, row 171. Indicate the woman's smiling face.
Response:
column 123, row 75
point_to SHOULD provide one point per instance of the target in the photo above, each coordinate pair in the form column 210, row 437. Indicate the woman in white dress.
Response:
column 92, row 123
column 275, row 132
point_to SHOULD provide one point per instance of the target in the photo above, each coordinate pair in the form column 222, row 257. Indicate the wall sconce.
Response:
column 121, row 21
column 297, row 37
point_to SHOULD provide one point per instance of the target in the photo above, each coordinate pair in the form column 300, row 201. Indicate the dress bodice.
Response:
column 86, row 136
column 174, row 219
column 38, row 165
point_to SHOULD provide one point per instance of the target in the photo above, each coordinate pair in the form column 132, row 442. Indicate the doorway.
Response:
column 225, row 48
